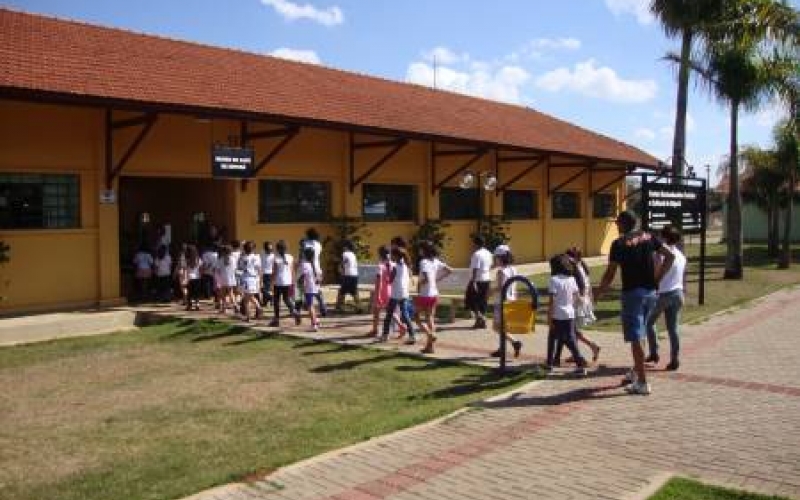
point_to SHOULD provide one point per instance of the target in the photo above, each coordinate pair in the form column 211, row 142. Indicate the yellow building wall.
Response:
column 53, row 268
column 64, row 139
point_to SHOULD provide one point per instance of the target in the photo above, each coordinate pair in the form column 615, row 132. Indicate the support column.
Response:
column 108, row 265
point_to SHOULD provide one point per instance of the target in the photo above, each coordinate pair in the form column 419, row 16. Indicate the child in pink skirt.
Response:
column 383, row 287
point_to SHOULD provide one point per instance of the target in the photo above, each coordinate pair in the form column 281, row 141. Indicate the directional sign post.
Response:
column 681, row 202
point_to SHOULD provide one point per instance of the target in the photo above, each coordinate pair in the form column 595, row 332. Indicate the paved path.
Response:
column 730, row 416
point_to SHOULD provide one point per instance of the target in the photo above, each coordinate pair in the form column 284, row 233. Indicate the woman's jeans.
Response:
column 400, row 304
column 670, row 303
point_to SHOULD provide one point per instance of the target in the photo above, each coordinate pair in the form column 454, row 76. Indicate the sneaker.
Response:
column 382, row 339
column 673, row 365
column 517, row 345
column 653, row 358
column 580, row 371
column 411, row 341
column 641, row 388
column 630, row 378
column 274, row 323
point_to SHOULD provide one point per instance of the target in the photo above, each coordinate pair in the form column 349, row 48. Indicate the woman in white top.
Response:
column 348, row 284
column 283, row 289
column 505, row 271
column 250, row 267
column 401, row 282
column 310, row 277
column 670, row 301
column 208, row 265
column 431, row 270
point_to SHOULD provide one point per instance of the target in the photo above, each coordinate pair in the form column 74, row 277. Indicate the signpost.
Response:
column 680, row 201
column 232, row 162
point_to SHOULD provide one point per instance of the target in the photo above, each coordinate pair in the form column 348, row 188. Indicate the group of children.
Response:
column 245, row 281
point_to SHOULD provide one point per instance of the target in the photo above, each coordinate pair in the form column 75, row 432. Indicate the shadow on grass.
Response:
column 257, row 336
column 477, row 383
column 230, row 331
column 354, row 363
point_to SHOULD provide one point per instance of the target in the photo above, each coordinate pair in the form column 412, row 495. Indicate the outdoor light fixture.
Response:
column 468, row 180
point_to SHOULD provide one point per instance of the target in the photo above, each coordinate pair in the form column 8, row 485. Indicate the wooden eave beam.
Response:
column 622, row 176
column 536, row 164
column 395, row 144
column 288, row 134
column 477, row 154
column 569, row 180
column 147, row 121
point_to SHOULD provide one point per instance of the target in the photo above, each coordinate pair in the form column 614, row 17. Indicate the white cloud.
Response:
column 556, row 43
column 601, row 83
column 499, row 83
column 293, row 11
column 645, row 133
column 638, row 8
column 306, row 56
column 537, row 48
column 443, row 55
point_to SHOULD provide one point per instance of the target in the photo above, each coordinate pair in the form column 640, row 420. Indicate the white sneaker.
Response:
column 641, row 388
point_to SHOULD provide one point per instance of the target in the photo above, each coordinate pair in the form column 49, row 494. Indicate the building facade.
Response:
column 106, row 135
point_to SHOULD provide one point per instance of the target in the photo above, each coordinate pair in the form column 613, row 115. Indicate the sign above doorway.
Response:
column 232, row 162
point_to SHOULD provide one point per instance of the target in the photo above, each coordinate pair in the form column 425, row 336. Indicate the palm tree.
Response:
column 685, row 19
column 741, row 62
column 762, row 184
column 788, row 158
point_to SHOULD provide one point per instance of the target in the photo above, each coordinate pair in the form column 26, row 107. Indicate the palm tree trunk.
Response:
column 733, row 260
column 773, row 234
column 785, row 260
column 682, row 104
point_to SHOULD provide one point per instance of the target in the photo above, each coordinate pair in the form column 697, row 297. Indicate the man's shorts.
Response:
column 636, row 305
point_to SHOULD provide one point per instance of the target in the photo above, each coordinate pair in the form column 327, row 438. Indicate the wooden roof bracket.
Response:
column 395, row 146
column 477, row 153
column 146, row 121
column 550, row 191
column 287, row 133
column 595, row 192
column 533, row 166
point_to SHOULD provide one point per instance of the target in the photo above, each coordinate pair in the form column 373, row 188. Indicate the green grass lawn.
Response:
column 760, row 278
column 686, row 489
column 176, row 408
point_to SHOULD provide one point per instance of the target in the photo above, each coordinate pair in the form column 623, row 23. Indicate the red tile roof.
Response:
column 54, row 56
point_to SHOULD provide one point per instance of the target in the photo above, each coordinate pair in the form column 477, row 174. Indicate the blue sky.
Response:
column 595, row 63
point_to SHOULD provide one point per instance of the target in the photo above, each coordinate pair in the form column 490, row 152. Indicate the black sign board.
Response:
column 681, row 205
column 680, row 201
column 232, row 162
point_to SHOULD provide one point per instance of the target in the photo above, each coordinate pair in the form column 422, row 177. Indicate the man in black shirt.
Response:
column 633, row 252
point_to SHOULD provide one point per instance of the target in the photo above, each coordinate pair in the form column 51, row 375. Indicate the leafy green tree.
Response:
column 740, row 64
column 788, row 159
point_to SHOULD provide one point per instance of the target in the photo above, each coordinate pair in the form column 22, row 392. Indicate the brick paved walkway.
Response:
column 730, row 416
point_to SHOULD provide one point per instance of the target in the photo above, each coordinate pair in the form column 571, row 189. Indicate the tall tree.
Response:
column 788, row 158
column 762, row 184
column 739, row 65
column 685, row 19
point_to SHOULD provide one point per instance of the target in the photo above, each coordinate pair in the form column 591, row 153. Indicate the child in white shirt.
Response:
column 564, row 291
column 310, row 276
column 401, row 282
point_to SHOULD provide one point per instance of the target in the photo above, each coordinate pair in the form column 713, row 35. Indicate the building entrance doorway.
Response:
column 184, row 209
